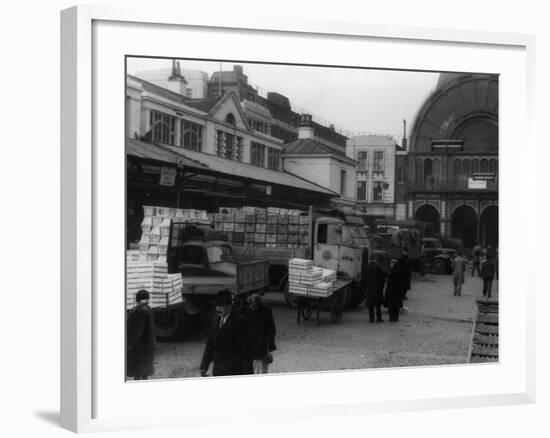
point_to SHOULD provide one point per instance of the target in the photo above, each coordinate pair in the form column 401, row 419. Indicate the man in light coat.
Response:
column 459, row 267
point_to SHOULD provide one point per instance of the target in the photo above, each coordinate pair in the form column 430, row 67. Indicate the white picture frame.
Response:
column 90, row 401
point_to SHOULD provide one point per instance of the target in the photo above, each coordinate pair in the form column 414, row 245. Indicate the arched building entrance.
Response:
column 428, row 213
column 464, row 225
column 488, row 226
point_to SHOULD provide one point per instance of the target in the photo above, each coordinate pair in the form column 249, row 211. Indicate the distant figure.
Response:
column 140, row 341
column 228, row 342
column 459, row 267
column 394, row 294
column 405, row 269
column 488, row 271
column 476, row 260
column 374, row 290
column 262, row 332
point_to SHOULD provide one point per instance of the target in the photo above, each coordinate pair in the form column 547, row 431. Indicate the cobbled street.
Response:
column 434, row 329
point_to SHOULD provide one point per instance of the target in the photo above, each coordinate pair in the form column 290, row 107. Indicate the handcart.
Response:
column 333, row 303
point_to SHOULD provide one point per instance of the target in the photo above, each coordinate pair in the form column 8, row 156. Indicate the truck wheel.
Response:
column 170, row 325
column 289, row 298
column 439, row 266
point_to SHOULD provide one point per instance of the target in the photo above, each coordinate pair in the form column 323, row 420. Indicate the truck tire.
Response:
column 170, row 325
column 289, row 298
column 439, row 266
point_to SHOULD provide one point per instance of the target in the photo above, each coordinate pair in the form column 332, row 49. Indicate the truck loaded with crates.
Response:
column 328, row 237
column 183, row 263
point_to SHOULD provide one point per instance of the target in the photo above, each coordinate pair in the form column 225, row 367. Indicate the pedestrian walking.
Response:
column 476, row 260
column 488, row 270
column 405, row 269
column 394, row 292
column 228, row 341
column 262, row 332
column 374, row 290
column 459, row 267
column 140, row 339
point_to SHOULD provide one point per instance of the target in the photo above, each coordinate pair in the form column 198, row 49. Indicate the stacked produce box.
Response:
column 270, row 228
column 306, row 279
column 146, row 268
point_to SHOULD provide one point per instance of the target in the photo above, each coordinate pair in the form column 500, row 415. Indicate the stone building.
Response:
column 453, row 159
column 376, row 171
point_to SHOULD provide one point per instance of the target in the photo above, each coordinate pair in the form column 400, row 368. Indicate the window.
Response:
column 362, row 159
column 191, row 136
column 377, row 191
column 343, row 182
column 257, row 154
column 329, row 234
column 361, row 190
column 379, row 161
column 163, row 128
column 230, row 118
column 229, row 146
column 273, row 158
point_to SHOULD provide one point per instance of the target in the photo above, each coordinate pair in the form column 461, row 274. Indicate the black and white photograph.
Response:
column 286, row 218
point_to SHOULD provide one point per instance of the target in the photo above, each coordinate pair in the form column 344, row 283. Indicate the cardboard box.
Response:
column 238, row 237
column 261, row 218
column 228, row 226
column 250, row 228
column 271, row 238
column 259, row 238
column 249, row 237
column 293, row 229
column 239, row 227
column 294, row 219
column 250, row 218
column 271, row 228
column 282, row 219
column 240, row 217
column 282, row 238
column 282, row 229
column 261, row 228
column 272, row 218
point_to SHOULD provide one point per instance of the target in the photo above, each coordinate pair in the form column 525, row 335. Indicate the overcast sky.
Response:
column 357, row 100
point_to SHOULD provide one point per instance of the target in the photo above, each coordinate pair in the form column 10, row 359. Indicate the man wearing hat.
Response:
column 140, row 339
column 228, row 342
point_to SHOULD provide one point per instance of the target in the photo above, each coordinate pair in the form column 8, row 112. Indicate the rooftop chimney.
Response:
column 404, row 140
column 305, row 127
column 238, row 69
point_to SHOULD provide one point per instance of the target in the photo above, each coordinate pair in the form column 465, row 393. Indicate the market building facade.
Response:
column 453, row 159
column 203, row 154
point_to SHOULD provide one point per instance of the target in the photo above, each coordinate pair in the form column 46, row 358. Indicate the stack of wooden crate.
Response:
column 271, row 228
column 309, row 280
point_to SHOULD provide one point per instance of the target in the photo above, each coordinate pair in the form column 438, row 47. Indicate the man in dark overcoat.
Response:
column 406, row 273
column 374, row 291
column 228, row 342
column 262, row 331
column 140, row 339
column 394, row 291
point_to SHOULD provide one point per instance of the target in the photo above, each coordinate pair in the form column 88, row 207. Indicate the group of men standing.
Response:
column 385, row 287
column 483, row 263
column 239, row 341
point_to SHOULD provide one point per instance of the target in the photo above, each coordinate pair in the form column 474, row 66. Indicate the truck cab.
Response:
column 343, row 247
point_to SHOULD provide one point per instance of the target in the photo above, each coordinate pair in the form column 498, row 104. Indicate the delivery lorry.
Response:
column 183, row 263
column 329, row 238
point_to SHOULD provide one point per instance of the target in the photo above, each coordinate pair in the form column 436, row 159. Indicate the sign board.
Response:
column 477, row 184
column 167, row 176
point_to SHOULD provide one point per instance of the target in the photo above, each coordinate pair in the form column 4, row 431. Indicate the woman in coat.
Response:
column 394, row 291
column 140, row 342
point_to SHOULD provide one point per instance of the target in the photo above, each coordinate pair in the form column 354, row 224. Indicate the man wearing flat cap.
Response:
column 228, row 342
column 140, row 339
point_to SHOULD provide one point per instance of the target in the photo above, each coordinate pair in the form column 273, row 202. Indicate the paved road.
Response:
column 434, row 329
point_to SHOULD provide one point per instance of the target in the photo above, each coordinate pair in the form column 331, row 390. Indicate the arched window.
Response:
column 418, row 175
column 493, row 167
column 230, row 118
column 428, row 173
column 475, row 166
column 466, row 168
column 484, row 165
column 437, row 172
column 457, row 175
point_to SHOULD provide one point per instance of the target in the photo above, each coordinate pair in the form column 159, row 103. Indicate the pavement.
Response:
column 434, row 328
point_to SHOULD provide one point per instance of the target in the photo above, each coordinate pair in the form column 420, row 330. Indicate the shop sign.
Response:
column 477, row 184
column 167, row 176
